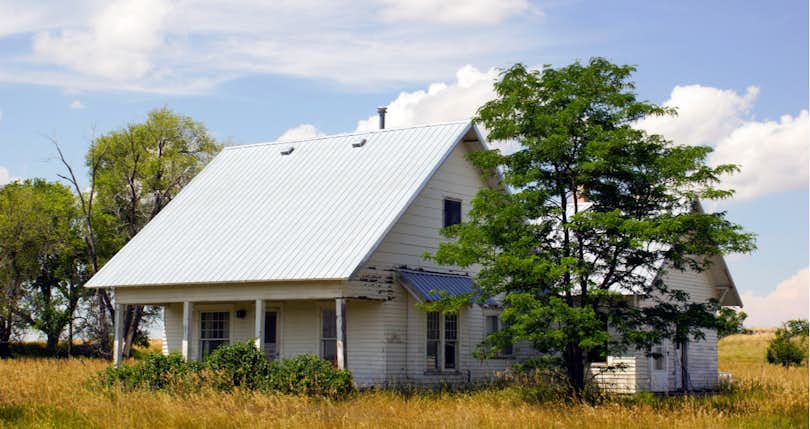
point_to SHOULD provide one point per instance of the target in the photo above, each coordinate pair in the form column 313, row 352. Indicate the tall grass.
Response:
column 54, row 393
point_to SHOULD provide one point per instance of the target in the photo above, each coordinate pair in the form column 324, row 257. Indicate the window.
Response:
column 441, row 342
column 213, row 331
column 329, row 335
column 658, row 358
column 270, row 332
column 452, row 212
column 493, row 325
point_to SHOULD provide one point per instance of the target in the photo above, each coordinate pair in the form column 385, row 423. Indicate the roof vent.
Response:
column 287, row 151
column 361, row 143
column 381, row 111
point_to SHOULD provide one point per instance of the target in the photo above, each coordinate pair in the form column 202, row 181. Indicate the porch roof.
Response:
column 425, row 286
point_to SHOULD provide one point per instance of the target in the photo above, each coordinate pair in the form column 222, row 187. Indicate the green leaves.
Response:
column 596, row 208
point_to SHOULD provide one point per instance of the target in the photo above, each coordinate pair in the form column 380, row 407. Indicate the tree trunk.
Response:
column 51, row 343
column 575, row 370
column 103, row 326
column 132, row 322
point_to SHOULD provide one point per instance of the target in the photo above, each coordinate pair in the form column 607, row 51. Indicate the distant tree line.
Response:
column 55, row 236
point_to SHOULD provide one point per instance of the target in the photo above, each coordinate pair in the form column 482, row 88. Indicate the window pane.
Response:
column 450, row 354
column 433, row 325
column 214, row 325
column 329, row 350
column 492, row 325
column 432, row 360
column 450, row 326
column 452, row 212
column 270, row 327
column 329, row 323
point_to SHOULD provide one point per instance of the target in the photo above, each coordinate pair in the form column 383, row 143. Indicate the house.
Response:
column 316, row 246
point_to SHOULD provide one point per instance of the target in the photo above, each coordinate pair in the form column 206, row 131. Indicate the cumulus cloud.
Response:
column 193, row 45
column 788, row 301
column 440, row 102
column 773, row 155
column 303, row 131
column 76, row 105
column 117, row 44
column 453, row 11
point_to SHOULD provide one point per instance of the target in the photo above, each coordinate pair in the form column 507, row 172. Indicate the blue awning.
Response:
column 421, row 283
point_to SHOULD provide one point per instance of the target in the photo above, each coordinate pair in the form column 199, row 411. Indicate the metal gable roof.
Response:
column 255, row 214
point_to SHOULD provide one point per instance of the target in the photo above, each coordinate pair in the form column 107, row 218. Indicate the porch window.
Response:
column 213, row 331
column 329, row 335
column 493, row 325
column 441, row 342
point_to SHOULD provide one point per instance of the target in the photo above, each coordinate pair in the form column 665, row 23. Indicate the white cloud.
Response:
column 5, row 176
column 453, row 11
column 788, row 301
column 117, row 44
column 773, row 155
column 190, row 46
column 76, row 104
column 441, row 102
column 303, row 131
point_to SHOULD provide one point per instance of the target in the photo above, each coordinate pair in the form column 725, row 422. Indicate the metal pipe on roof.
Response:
column 381, row 111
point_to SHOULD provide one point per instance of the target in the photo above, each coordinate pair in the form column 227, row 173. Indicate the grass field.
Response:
column 55, row 393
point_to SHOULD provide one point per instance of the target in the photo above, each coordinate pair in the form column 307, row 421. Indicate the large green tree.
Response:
column 565, row 267
column 136, row 171
column 41, row 250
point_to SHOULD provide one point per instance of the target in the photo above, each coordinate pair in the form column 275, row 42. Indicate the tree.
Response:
column 730, row 322
column 42, row 245
column 567, row 268
column 789, row 345
column 136, row 171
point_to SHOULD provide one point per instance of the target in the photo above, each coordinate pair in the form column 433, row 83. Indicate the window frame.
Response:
column 224, row 339
column 321, row 339
column 460, row 203
column 504, row 353
column 442, row 342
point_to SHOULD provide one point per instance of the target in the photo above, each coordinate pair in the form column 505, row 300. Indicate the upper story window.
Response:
column 452, row 212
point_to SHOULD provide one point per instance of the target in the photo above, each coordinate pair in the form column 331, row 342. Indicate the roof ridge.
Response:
column 349, row 134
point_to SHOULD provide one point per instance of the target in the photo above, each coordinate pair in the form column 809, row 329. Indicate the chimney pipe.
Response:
column 381, row 111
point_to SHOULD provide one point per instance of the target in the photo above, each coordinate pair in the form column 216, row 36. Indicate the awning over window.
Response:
column 421, row 283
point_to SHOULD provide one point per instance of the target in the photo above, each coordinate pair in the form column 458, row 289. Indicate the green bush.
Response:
column 789, row 346
column 156, row 371
column 309, row 375
column 238, row 365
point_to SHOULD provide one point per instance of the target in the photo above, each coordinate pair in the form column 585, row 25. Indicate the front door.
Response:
column 271, row 335
column 659, row 380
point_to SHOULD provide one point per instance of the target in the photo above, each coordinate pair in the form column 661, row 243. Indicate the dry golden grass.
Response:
column 55, row 393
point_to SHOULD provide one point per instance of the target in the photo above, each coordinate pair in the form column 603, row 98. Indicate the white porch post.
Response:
column 259, row 324
column 188, row 308
column 118, row 346
column 340, row 309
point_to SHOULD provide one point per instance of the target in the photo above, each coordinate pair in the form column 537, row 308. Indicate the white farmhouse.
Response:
column 316, row 246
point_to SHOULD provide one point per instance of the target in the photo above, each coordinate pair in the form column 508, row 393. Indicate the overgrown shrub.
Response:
column 309, row 375
column 789, row 346
column 238, row 365
column 155, row 371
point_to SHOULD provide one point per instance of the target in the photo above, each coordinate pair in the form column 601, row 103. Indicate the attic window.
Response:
column 452, row 212
column 287, row 151
column 361, row 143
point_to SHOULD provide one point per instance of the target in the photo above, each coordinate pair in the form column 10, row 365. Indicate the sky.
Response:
column 256, row 71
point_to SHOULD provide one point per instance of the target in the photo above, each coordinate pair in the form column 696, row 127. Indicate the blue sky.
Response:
column 737, row 71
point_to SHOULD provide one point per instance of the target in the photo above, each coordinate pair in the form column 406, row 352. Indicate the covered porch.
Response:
column 282, row 320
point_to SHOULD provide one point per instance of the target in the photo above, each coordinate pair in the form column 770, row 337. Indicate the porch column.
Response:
column 259, row 325
column 118, row 343
column 188, row 309
column 340, row 310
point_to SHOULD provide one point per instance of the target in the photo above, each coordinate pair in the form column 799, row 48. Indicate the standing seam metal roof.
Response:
column 254, row 214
